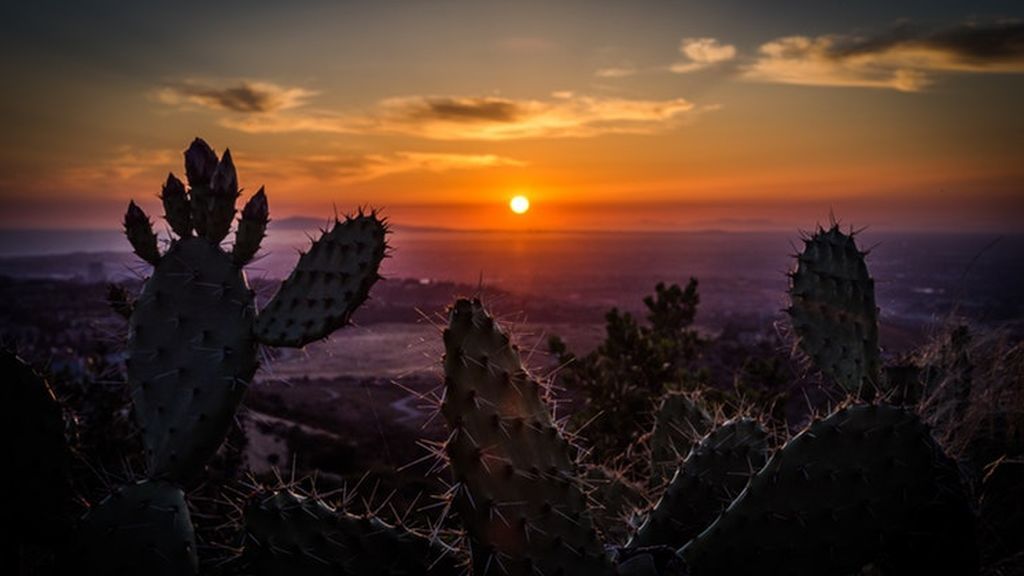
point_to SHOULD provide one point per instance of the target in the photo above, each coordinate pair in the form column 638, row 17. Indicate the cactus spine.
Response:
column 291, row 534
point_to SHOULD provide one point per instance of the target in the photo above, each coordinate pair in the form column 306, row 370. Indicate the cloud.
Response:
column 903, row 58
column 244, row 97
column 480, row 118
column 126, row 163
column 615, row 72
column 700, row 53
column 459, row 110
column 345, row 169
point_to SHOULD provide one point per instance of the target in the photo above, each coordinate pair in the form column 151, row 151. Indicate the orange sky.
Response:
column 606, row 116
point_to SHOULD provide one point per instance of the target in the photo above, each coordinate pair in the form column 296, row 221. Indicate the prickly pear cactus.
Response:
column 866, row 485
column 614, row 499
column 42, row 457
column 328, row 284
column 191, row 355
column 679, row 423
column 291, row 534
column 713, row 474
column 143, row 528
column 515, row 489
column 833, row 311
column 194, row 330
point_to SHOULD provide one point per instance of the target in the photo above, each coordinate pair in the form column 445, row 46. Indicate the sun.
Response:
column 519, row 204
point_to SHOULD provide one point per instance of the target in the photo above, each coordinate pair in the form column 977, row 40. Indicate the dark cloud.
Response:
column 999, row 43
column 468, row 110
column 969, row 43
column 904, row 57
column 244, row 97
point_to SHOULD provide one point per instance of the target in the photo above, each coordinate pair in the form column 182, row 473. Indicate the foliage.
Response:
column 626, row 375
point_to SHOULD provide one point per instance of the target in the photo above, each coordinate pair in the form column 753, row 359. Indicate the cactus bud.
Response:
column 252, row 227
column 223, row 192
column 139, row 231
column 200, row 163
column 177, row 211
column 225, row 180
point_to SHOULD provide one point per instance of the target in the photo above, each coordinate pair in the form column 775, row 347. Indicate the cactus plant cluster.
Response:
column 866, row 485
column 193, row 337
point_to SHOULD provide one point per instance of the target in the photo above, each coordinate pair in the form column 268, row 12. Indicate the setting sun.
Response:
column 519, row 204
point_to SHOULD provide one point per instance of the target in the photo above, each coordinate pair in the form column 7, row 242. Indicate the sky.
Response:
column 607, row 115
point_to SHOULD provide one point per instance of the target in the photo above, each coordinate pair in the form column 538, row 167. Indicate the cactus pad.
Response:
column 515, row 488
column 252, row 227
column 143, row 528
column 614, row 499
column 866, row 485
column 41, row 469
column 679, row 423
column 291, row 534
column 833, row 310
column 191, row 355
column 328, row 284
column 713, row 474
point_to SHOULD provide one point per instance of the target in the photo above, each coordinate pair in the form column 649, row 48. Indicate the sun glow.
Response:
column 519, row 204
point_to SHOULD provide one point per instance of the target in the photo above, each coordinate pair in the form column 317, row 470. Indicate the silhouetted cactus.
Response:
column 515, row 488
column 679, row 423
column 194, row 328
column 833, row 311
column 866, row 485
column 140, row 528
column 714, row 472
column 291, row 534
column 193, row 336
column 41, row 460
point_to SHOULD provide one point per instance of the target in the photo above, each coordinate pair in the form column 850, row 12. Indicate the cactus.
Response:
column 291, row 534
column 514, row 484
column 866, row 485
column 713, row 474
column 833, row 310
column 140, row 528
column 679, row 422
column 328, row 284
column 42, row 464
column 614, row 500
column 194, row 329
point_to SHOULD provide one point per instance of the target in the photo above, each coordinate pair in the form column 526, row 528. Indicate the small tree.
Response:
column 623, row 377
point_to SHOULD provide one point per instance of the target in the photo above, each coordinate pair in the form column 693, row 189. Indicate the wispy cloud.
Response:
column 244, row 96
column 125, row 164
column 145, row 168
column 616, row 72
column 483, row 118
column 700, row 53
column 349, row 168
column 903, row 58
